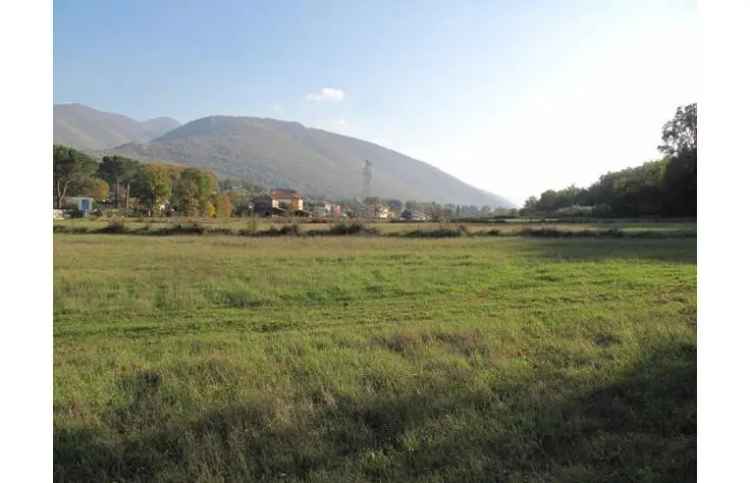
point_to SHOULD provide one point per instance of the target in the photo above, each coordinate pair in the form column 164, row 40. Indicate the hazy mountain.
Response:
column 316, row 162
column 153, row 128
column 86, row 128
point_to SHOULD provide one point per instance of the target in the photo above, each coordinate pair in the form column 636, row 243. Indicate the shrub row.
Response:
column 342, row 229
column 436, row 233
column 609, row 233
column 354, row 229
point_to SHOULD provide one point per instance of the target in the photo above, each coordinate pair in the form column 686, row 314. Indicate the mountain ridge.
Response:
column 319, row 163
column 84, row 127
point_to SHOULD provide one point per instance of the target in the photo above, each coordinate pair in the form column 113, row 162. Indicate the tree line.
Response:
column 432, row 210
column 122, row 183
column 156, row 187
column 665, row 187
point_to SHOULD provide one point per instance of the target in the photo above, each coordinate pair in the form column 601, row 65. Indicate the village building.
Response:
column 279, row 202
column 324, row 209
column 380, row 212
column 413, row 215
column 289, row 200
column 318, row 210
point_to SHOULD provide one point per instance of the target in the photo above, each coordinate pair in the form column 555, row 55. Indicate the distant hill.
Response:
column 267, row 151
column 153, row 128
column 86, row 128
column 316, row 162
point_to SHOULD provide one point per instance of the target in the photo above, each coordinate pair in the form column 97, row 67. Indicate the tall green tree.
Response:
column 193, row 191
column 71, row 168
column 120, row 172
column 153, row 186
column 680, row 134
column 548, row 201
column 96, row 188
column 531, row 204
column 680, row 181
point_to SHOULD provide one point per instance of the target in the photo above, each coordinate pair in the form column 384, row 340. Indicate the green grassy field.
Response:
column 348, row 359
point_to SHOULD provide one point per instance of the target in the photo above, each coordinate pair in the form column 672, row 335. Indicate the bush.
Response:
column 144, row 230
column 355, row 228
column 493, row 232
column 290, row 230
column 179, row 229
column 220, row 231
column 115, row 227
column 74, row 212
column 557, row 233
column 190, row 229
column 69, row 229
column 437, row 233
column 286, row 230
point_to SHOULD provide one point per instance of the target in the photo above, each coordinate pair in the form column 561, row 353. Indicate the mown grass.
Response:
column 374, row 359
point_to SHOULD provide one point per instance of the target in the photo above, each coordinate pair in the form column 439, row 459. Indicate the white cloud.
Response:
column 326, row 94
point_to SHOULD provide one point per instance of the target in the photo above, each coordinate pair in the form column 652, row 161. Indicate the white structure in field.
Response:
column 84, row 204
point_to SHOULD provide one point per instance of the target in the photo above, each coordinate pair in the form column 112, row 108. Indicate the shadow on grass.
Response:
column 639, row 428
column 678, row 250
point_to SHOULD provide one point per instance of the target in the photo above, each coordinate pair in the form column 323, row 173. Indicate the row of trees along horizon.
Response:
column 116, row 180
column 132, row 187
column 665, row 187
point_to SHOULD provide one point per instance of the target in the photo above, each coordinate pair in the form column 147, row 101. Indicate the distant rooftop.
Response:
column 285, row 193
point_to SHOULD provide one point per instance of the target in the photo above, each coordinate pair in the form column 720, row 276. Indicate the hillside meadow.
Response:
column 342, row 359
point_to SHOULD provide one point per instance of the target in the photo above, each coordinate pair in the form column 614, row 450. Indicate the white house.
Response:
column 84, row 204
column 287, row 199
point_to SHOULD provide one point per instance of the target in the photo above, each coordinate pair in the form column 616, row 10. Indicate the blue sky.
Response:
column 513, row 97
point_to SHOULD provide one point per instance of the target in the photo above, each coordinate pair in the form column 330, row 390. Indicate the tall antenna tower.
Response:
column 366, row 179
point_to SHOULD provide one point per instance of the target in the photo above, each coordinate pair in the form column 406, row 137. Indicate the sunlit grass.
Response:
column 384, row 359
